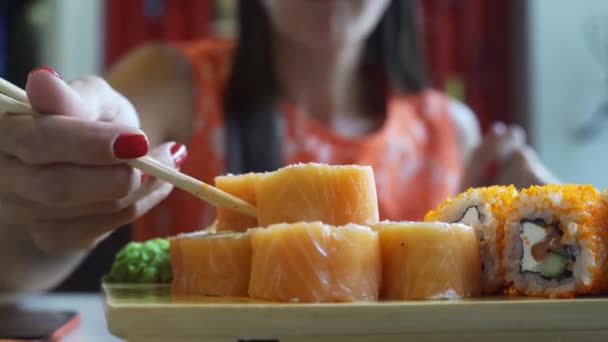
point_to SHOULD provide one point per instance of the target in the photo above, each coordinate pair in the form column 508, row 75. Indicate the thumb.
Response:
column 49, row 94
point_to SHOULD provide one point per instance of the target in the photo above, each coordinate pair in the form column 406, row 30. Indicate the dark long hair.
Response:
column 392, row 51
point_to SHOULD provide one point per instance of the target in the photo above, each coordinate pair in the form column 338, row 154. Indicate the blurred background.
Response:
column 539, row 63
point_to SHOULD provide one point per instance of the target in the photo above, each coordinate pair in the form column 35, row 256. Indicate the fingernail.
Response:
column 144, row 177
column 499, row 127
column 47, row 69
column 179, row 154
column 491, row 169
column 130, row 146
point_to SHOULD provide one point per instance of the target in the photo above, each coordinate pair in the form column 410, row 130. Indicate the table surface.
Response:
column 92, row 325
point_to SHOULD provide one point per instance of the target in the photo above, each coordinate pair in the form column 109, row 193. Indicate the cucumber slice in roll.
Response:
column 553, row 266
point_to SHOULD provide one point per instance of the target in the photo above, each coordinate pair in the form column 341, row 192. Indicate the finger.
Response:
column 89, row 98
column 83, row 233
column 499, row 145
column 515, row 170
column 524, row 169
column 21, row 211
column 109, row 105
column 171, row 154
column 486, row 152
column 61, row 235
column 49, row 94
column 60, row 139
column 480, row 167
column 62, row 185
column 492, row 140
column 513, row 139
column 485, row 161
column 16, row 210
column 518, row 134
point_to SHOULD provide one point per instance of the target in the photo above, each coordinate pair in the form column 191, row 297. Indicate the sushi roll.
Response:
column 485, row 210
column 556, row 238
column 211, row 264
column 335, row 195
column 314, row 262
column 243, row 187
column 424, row 260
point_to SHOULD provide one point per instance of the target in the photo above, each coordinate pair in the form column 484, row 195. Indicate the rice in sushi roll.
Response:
column 485, row 210
column 556, row 239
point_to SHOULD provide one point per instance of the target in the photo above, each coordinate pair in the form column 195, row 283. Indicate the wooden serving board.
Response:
column 149, row 313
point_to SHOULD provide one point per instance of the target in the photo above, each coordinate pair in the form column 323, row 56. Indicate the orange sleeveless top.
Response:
column 415, row 154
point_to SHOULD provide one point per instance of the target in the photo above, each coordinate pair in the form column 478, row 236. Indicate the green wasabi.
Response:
column 142, row 262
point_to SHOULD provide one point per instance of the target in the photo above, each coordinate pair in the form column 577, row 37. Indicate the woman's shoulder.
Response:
column 175, row 54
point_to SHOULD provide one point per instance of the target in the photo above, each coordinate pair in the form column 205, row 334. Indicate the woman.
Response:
column 331, row 81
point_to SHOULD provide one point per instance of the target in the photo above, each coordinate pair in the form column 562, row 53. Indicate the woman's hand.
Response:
column 504, row 158
column 63, row 180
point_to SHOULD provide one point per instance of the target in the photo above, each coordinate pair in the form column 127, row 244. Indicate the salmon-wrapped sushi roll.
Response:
column 424, row 260
column 484, row 209
column 315, row 262
column 335, row 195
column 211, row 264
column 556, row 238
column 243, row 187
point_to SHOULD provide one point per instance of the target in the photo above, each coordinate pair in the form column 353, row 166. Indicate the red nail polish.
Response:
column 179, row 154
column 491, row 169
column 47, row 69
column 130, row 146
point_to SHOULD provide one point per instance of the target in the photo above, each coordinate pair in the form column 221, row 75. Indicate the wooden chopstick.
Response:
column 13, row 91
column 192, row 185
column 11, row 103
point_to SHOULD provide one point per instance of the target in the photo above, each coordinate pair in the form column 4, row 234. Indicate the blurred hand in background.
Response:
column 503, row 157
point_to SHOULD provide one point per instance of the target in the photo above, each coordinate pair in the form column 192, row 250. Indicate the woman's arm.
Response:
column 157, row 80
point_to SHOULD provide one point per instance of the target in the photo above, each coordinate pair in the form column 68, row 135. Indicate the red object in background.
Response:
column 472, row 40
column 133, row 22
